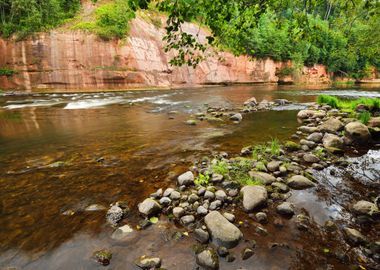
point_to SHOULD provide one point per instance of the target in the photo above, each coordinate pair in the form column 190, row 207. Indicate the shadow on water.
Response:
column 63, row 152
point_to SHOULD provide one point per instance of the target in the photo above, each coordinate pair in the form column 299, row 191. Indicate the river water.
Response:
column 62, row 152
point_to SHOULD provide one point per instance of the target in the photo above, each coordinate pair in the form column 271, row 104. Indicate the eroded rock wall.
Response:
column 70, row 61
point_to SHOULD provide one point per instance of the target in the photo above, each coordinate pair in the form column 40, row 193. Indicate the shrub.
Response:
column 202, row 179
column 7, row 72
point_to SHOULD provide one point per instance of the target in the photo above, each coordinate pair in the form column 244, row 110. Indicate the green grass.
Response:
column 364, row 117
column 202, row 180
column 349, row 105
column 221, row 167
column 275, row 147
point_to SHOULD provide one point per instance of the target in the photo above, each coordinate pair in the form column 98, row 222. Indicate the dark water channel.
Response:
column 61, row 152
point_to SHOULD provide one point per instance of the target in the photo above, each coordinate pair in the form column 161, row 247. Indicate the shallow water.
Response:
column 64, row 152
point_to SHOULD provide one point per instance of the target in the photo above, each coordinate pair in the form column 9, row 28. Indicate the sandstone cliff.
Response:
column 70, row 60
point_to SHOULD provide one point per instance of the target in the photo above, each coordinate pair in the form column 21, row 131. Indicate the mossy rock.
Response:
column 292, row 146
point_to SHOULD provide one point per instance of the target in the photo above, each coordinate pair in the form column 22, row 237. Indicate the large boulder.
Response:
column 354, row 236
column 299, row 182
column 186, row 178
column 222, row 232
column 149, row 207
column 357, row 132
column 253, row 196
column 333, row 143
column 374, row 122
column 332, row 125
column 264, row 178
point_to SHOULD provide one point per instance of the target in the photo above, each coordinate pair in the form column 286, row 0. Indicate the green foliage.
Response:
column 329, row 100
column 239, row 172
column 275, row 147
column 23, row 17
column 285, row 71
column 202, row 179
column 349, row 105
column 221, row 167
column 251, row 182
column 111, row 20
column 364, row 117
column 7, row 72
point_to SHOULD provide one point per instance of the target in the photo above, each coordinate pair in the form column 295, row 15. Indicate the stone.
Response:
column 357, row 132
column 223, row 232
column 178, row 212
column 307, row 129
column 215, row 205
column 191, row 122
column 246, row 151
column 175, row 195
column 310, row 158
column 122, row 232
column 167, row 192
column 299, row 182
column 220, row 195
column 281, row 101
column 247, row 253
column 333, row 143
column 95, row 207
column 374, row 122
column 193, row 198
column 230, row 217
column 332, row 125
column 261, row 217
column 208, row 259
column 201, row 191
column 165, row 201
column 315, row 137
column 309, row 144
column 251, row 102
column 285, row 208
column 114, row 215
column 274, row 165
column 209, row 195
column 365, row 208
column 354, row 236
column 222, row 251
column 157, row 194
column 187, row 220
column 303, row 114
column 103, row 256
column 236, row 117
column 216, row 178
column 149, row 207
column 233, row 192
column 201, row 210
column 147, row 263
column 202, row 236
column 264, row 178
column 280, row 187
column 253, row 197
column 186, row 179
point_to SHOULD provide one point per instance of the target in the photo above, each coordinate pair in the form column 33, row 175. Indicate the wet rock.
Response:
column 186, row 179
column 122, row 232
column 103, row 256
column 285, row 208
column 202, row 236
column 261, row 217
column 220, row 195
column 246, row 151
column 178, row 212
column 146, row 263
column 354, row 236
column 208, row 259
column 315, row 137
column 250, row 102
column 201, row 210
column 302, row 222
column 215, row 205
column 357, row 132
column 247, row 253
column 311, row 158
column 165, row 201
column 191, row 122
column 230, row 217
column 149, row 207
column 365, row 208
column 274, row 165
column 187, row 220
column 253, row 196
column 114, row 215
column 216, row 178
column 263, row 177
column 299, row 182
column 332, row 125
column 236, row 117
column 167, row 192
column 281, row 101
column 333, row 143
column 201, row 191
column 230, row 258
column 175, row 195
column 223, row 233
column 95, row 207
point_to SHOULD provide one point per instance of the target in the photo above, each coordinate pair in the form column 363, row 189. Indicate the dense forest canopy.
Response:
column 342, row 34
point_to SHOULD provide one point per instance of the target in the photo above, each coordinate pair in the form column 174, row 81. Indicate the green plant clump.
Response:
column 349, row 104
column 221, row 167
column 202, row 180
column 7, row 72
column 364, row 117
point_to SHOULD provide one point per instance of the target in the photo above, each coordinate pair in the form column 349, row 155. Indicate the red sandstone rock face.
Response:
column 77, row 61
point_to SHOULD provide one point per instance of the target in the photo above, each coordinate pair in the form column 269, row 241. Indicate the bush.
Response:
column 364, row 117
column 7, row 72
